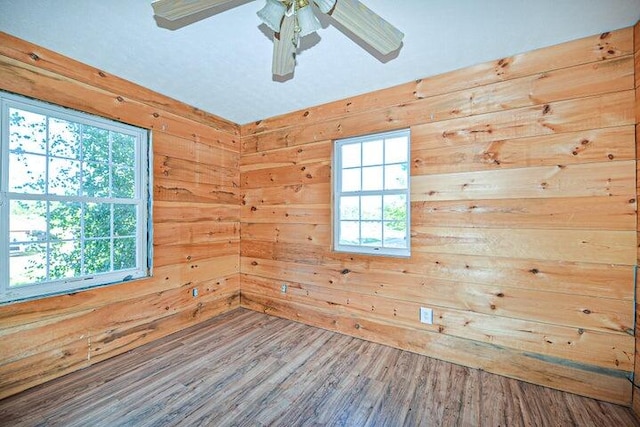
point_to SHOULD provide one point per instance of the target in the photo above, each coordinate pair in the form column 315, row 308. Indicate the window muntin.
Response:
column 371, row 194
column 74, row 200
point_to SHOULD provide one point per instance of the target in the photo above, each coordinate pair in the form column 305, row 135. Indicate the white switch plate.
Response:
column 426, row 315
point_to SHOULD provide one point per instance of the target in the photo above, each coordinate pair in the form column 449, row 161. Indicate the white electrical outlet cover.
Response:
column 426, row 315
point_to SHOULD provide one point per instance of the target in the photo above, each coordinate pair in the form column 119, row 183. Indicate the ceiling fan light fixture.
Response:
column 272, row 13
column 291, row 20
column 307, row 21
column 325, row 6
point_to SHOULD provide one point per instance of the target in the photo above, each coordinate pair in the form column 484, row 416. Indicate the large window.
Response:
column 73, row 200
column 371, row 194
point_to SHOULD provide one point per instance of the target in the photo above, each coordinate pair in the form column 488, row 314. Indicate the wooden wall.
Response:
column 636, row 389
column 523, row 218
column 195, row 223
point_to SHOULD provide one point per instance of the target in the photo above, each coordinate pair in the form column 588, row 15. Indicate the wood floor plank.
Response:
column 550, row 404
column 249, row 369
column 470, row 404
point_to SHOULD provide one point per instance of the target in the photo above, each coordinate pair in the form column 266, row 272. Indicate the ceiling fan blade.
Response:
column 172, row 10
column 284, row 60
column 367, row 25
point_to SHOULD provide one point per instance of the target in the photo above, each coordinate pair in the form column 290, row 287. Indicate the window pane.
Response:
column 27, row 131
column 349, row 233
column 97, row 256
column 350, row 208
column 124, row 253
column 27, row 222
column 395, row 208
column 65, row 220
column 95, row 144
column 97, row 220
column 350, row 155
column 124, row 149
column 95, row 180
column 18, row 269
column 65, row 259
column 123, row 182
column 395, row 235
column 30, row 266
column 372, row 178
column 372, row 207
column 395, row 177
column 27, row 232
column 371, row 233
column 64, row 177
column 395, row 150
column 351, row 180
column 124, row 220
column 372, row 153
column 27, row 173
column 64, row 139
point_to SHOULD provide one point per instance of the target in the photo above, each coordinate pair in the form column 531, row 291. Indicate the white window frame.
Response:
column 141, row 199
column 338, row 193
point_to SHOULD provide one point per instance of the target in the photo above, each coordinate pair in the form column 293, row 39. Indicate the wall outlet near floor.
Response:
column 426, row 315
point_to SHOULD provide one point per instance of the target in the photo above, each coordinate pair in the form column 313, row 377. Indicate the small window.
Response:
column 371, row 194
column 74, row 198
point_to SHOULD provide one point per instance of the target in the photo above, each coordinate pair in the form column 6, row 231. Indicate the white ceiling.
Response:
column 222, row 63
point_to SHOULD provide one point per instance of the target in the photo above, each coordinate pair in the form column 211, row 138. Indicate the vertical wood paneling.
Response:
column 196, row 216
column 524, row 223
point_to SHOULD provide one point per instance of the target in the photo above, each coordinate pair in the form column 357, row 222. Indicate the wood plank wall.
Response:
column 636, row 388
column 195, row 221
column 523, row 218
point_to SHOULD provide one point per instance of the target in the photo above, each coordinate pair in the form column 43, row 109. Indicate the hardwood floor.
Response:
column 250, row 369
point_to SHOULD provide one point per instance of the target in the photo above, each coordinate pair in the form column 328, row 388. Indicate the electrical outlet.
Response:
column 194, row 292
column 426, row 315
column 283, row 288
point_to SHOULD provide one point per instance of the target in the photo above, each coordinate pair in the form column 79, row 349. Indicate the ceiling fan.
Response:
column 292, row 19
